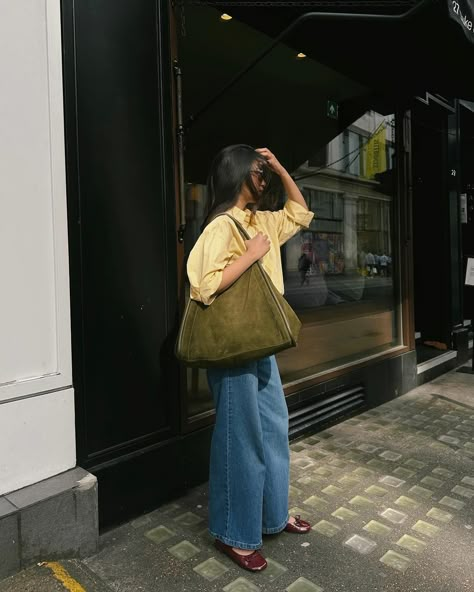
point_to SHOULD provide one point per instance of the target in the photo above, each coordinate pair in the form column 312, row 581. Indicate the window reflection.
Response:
column 338, row 273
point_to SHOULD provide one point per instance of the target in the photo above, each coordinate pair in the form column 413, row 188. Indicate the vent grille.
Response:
column 325, row 409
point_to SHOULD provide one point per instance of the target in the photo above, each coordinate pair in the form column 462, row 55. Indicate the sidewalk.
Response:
column 390, row 494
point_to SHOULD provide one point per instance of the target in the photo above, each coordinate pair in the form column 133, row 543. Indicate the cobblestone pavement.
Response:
column 390, row 494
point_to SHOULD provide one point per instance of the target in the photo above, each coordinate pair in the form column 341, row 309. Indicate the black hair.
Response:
column 230, row 170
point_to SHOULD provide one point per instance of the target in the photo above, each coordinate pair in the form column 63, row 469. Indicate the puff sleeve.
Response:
column 206, row 262
column 290, row 220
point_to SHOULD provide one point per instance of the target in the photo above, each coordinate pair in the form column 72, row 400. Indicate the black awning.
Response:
column 432, row 51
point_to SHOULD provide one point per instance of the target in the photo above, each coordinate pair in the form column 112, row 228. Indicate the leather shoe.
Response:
column 253, row 562
column 299, row 526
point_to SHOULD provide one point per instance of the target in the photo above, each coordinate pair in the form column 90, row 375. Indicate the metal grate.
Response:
column 325, row 409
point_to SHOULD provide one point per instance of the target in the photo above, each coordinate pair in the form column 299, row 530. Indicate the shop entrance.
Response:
column 431, row 233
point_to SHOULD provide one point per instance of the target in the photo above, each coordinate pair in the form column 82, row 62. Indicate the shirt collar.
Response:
column 242, row 216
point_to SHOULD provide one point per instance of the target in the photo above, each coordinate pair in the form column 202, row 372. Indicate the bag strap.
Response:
column 241, row 229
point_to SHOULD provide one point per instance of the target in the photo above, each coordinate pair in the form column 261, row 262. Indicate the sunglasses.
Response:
column 259, row 172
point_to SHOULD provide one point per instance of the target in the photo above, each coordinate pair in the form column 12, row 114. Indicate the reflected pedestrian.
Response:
column 303, row 267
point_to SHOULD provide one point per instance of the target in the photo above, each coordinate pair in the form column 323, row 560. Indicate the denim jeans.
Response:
column 249, row 468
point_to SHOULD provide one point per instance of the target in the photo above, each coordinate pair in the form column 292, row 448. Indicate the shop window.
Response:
column 347, row 299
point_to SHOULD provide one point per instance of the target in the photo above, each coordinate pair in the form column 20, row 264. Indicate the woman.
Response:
column 249, row 466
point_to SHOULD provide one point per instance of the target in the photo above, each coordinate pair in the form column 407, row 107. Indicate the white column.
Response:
column 37, row 438
column 350, row 232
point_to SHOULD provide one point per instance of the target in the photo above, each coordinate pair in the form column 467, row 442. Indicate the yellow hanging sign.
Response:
column 375, row 154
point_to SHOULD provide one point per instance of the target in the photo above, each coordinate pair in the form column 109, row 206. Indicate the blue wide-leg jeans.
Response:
column 249, row 467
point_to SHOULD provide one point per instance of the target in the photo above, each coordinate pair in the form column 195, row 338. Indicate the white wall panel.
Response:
column 35, row 351
column 36, row 439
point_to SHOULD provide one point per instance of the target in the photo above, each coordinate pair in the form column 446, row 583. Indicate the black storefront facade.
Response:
column 382, row 150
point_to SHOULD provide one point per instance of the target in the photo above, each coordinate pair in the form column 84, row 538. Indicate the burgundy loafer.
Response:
column 253, row 562
column 299, row 526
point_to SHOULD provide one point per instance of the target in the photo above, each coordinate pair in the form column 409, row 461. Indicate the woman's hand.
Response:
column 272, row 161
column 258, row 246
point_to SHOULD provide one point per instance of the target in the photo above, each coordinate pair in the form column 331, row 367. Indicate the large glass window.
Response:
column 344, row 165
column 346, row 298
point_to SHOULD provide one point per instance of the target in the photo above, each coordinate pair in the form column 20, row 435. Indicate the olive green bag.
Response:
column 248, row 321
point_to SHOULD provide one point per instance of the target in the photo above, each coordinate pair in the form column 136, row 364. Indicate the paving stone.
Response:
column 375, row 527
column 316, row 502
column 432, row 482
column 457, row 434
column 317, row 455
column 377, row 464
column 302, row 462
column 370, row 448
column 344, row 514
column 452, row 503
column 396, row 561
column 184, row 550
column 390, row 456
column 425, row 528
column 451, row 418
column 414, row 464
column 407, row 502
column 372, row 428
column 324, row 471
column 411, row 543
column 297, row 447
column 440, row 515
column 403, row 473
column 448, row 439
column 310, row 480
column 394, row 516
column 391, row 481
column 327, row 450
column 326, row 528
column 363, row 472
column 160, row 534
column 348, row 481
column 241, row 585
column 333, row 490
column 273, row 570
column 188, row 519
column 468, row 481
column 443, row 472
column 361, row 544
column 337, row 462
column 376, row 491
column 211, row 569
column 421, row 491
column 294, row 491
column 361, row 501
column 325, row 435
column 463, row 491
column 303, row 585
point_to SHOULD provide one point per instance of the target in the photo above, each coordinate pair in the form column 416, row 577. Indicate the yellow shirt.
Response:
column 221, row 243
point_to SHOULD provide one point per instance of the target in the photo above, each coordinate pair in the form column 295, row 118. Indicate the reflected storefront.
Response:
column 341, row 273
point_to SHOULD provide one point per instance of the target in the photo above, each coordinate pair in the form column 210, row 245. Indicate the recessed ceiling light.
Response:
column 226, row 17
column 300, row 55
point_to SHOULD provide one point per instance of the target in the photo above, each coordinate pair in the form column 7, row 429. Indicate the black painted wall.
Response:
column 121, row 225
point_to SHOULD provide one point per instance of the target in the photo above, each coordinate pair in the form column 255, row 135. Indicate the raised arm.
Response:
column 291, row 189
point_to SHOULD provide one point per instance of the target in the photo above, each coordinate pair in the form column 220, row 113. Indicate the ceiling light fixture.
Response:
column 226, row 17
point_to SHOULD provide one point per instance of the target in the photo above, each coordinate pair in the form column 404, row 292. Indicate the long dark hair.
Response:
column 229, row 171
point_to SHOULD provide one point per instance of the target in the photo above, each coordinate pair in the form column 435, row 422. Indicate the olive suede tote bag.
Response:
column 248, row 321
